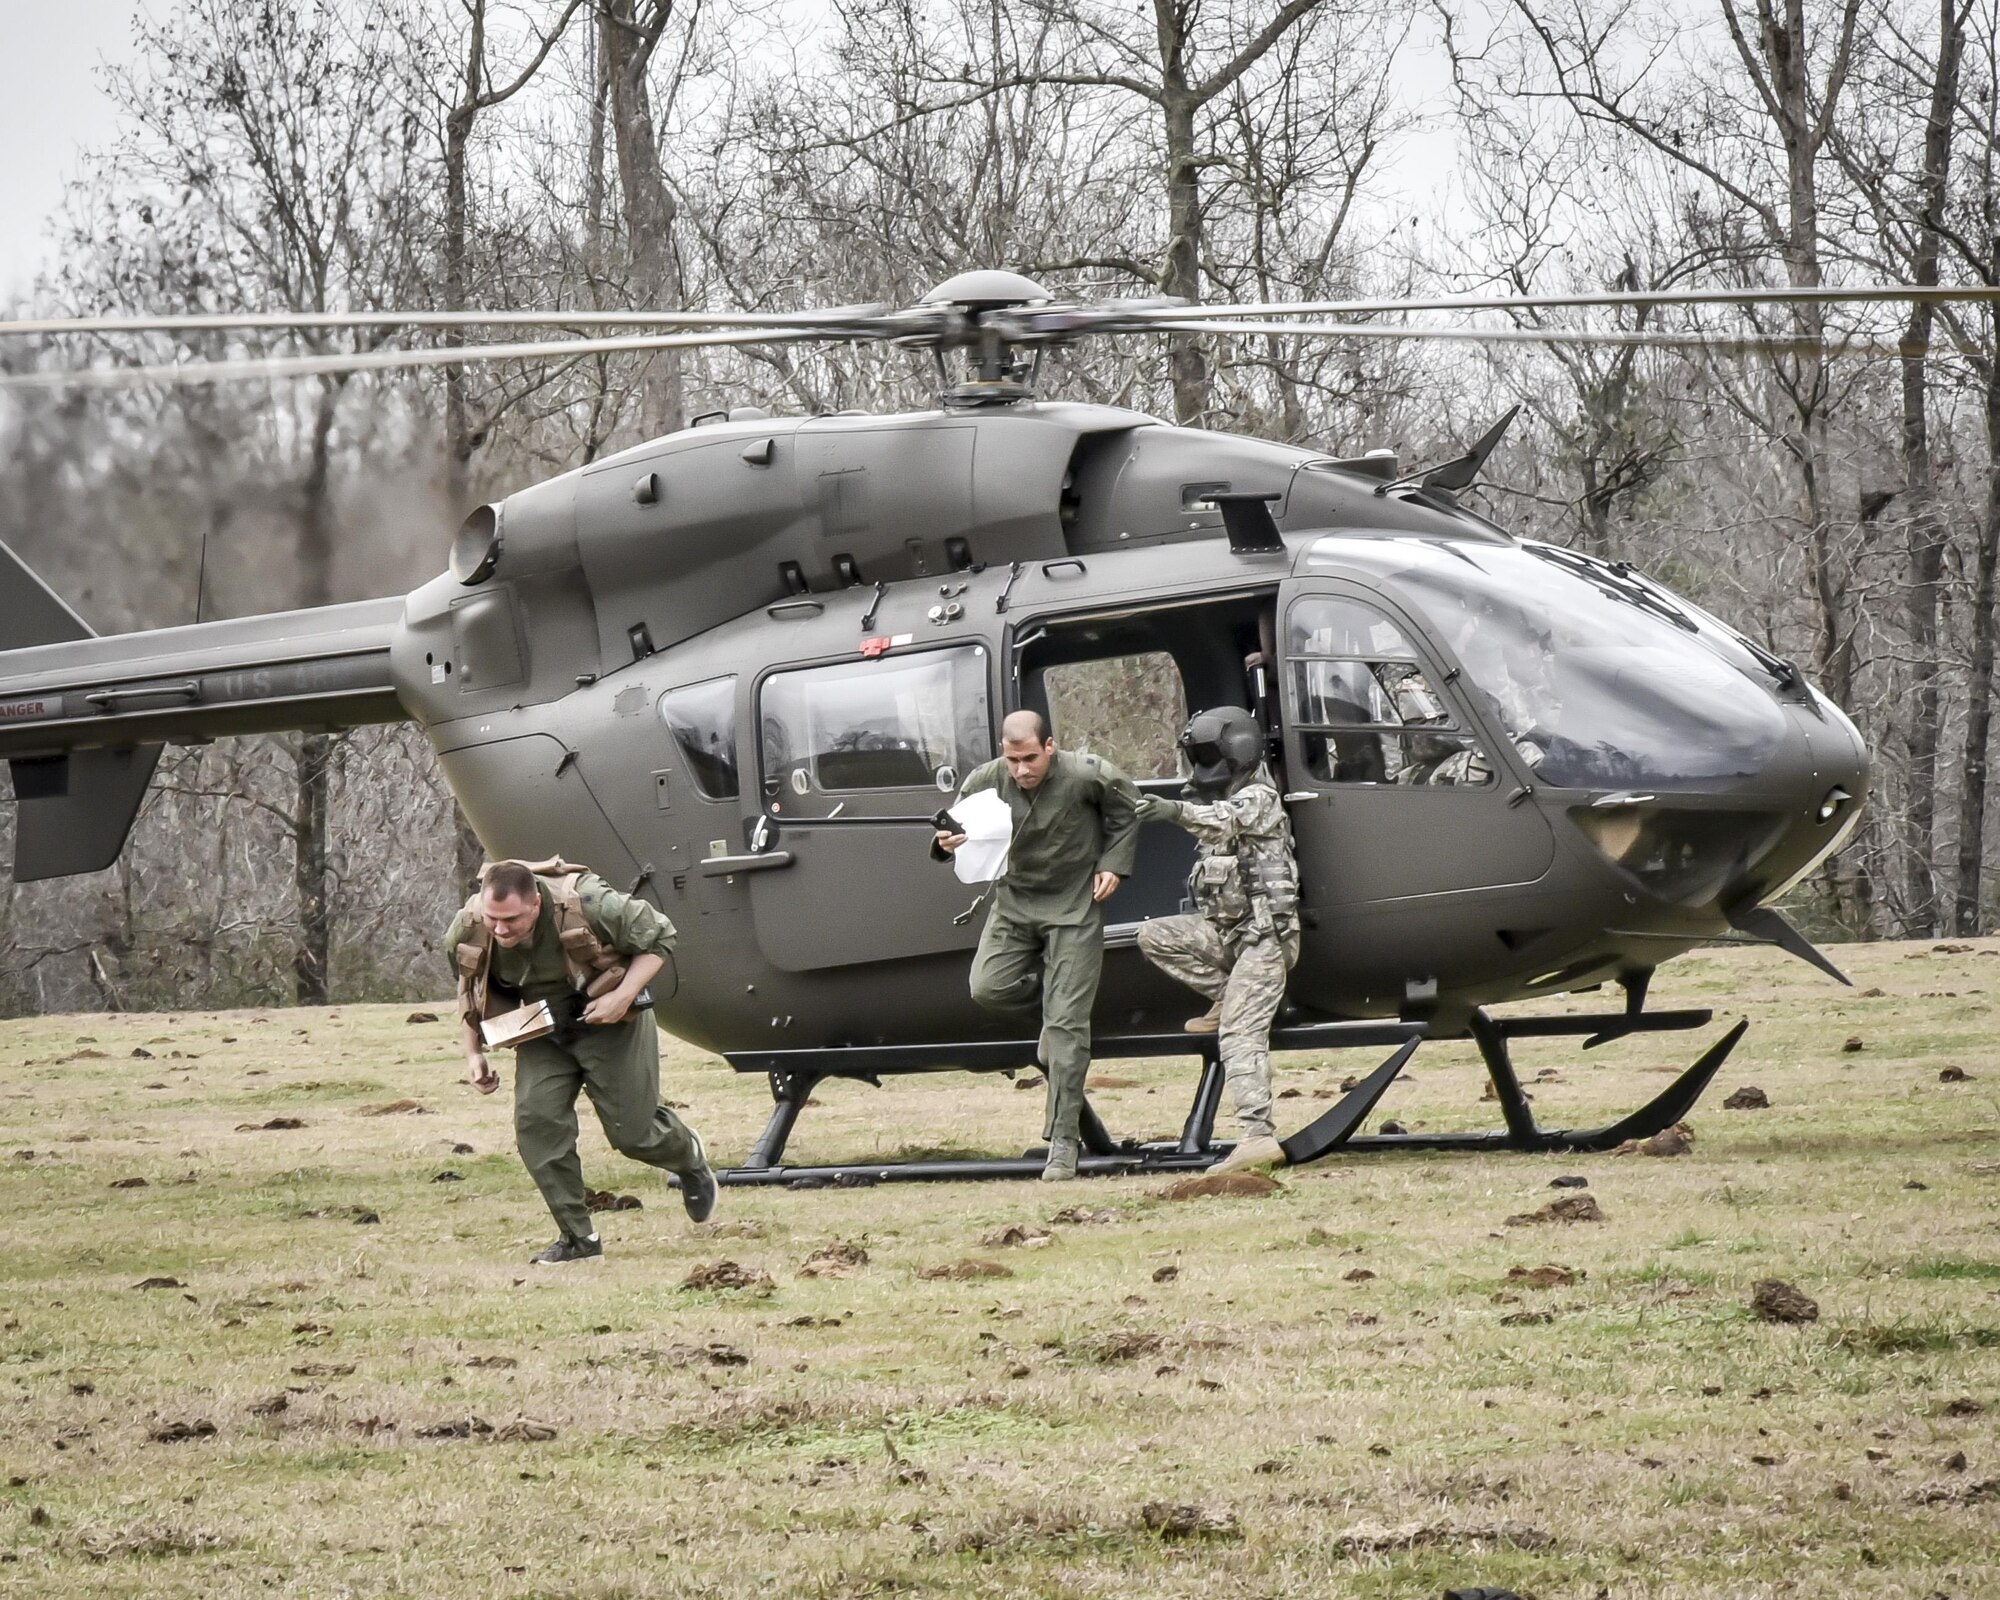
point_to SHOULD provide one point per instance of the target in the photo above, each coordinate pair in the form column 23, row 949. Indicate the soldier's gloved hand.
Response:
column 480, row 1073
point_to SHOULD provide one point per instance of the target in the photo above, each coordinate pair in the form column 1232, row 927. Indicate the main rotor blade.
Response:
column 1860, row 294
column 220, row 322
column 189, row 372
column 1727, row 344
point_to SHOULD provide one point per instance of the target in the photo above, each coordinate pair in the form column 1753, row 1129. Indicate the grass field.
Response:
column 1333, row 1390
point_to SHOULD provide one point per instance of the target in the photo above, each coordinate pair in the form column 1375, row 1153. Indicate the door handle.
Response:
column 726, row 866
column 1303, row 794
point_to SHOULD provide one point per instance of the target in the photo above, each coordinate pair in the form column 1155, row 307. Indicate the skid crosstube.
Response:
column 795, row 1073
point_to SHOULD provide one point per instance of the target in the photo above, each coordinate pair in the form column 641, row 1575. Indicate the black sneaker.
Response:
column 566, row 1250
column 698, row 1188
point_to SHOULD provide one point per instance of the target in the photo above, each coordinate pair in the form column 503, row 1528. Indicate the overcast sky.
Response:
column 51, row 109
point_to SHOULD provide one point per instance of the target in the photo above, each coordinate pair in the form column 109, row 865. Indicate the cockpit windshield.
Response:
column 1601, row 678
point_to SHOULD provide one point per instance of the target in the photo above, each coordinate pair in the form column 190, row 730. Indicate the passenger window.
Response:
column 1128, row 709
column 1364, row 705
column 702, row 719
column 858, row 737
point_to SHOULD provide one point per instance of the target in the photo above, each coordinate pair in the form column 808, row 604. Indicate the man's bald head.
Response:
column 1027, row 748
column 1024, row 727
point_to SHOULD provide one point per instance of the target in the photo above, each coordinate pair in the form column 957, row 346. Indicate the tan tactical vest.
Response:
column 594, row 968
column 1250, row 885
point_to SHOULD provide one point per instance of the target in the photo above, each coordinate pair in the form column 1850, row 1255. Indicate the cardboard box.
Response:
column 512, row 1028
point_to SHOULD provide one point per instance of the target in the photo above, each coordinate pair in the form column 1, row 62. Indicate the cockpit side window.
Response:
column 1364, row 705
column 702, row 719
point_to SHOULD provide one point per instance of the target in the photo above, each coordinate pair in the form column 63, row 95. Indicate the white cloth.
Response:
column 989, row 832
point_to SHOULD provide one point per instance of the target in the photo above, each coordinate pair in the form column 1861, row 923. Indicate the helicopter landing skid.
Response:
column 795, row 1074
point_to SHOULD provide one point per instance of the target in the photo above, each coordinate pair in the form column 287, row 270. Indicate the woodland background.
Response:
column 730, row 154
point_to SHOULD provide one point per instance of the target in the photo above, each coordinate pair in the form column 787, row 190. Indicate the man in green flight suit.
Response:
column 550, row 931
column 1076, row 833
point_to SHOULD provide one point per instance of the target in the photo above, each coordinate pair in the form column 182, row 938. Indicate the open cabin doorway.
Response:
column 1121, row 683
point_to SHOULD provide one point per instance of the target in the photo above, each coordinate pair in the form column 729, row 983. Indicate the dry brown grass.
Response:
column 402, row 1406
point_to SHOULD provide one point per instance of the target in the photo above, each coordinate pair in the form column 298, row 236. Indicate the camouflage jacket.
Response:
column 1245, row 879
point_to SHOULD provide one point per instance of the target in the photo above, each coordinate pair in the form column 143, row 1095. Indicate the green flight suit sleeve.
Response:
column 1118, row 804
column 626, row 923
column 454, row 937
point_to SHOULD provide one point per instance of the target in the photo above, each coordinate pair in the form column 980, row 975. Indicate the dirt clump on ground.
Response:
column 1126, row 1346
column 1018, row 1235
column 735, row 1228
column 1570, row 1208
column 1084, row 1216
column 839, row 1259
column 1549, row 1275
column 964, row 1270
column 728, row 1275
column 463, row 1428
column 1774, row 1300
column 1675, row 1141
column 1748, row 1098
column 1234, row 1185
column 177, row 1432
column 605, row 1200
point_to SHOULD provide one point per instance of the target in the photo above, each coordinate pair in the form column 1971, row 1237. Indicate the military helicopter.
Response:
column 737, row 670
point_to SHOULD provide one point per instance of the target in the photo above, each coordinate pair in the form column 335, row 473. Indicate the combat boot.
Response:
column 1210, row 1021
column 1061, row 1165
column 566, row 1250
column 698, row 1188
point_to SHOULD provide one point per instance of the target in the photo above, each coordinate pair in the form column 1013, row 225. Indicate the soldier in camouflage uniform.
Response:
column 1244, row 936
column 549, row 931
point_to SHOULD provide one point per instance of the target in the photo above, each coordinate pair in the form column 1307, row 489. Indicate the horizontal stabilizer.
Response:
column 73, row 811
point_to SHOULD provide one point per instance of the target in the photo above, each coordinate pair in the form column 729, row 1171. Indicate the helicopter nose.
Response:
column 1724, row 850
column 1827, row 774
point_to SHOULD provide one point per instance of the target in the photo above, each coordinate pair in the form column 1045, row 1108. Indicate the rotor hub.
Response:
column 987, row 290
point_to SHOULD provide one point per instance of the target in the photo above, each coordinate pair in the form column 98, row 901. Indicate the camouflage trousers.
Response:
column 1248, row 977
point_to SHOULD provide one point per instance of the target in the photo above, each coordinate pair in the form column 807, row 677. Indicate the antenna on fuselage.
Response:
column 1461, row 472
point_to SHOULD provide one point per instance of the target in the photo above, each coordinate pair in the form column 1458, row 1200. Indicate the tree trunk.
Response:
column 457, row 145
column 1967, row 910
column 1181, row 278
column 1927, row 539
column 313, row 758
column 650, row 209
column 312, row 960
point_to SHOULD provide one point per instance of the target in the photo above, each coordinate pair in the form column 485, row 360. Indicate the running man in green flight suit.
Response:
column 550, row 931
column 1076, row 834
